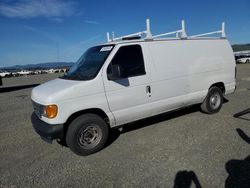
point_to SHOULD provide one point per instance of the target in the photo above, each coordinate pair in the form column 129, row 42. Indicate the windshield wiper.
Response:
column 77, row 76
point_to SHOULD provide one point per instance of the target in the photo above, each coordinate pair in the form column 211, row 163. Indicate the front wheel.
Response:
column 213, row 101
column 247, row 61
column 87, row 134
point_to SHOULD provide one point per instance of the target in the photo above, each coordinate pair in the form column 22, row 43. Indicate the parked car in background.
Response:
column 14, row 74
column 50, row 71
column 244, row 60
column 5, row 74
column 24, row 72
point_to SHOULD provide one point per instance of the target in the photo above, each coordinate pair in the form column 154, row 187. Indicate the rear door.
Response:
column 128, row 98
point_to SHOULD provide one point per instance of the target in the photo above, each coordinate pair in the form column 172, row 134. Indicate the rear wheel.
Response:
column 247, row 61
column 213, row 101
column 87, row 134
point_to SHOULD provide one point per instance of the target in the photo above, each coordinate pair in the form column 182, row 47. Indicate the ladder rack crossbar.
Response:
column 205, row 34
column 165, row 34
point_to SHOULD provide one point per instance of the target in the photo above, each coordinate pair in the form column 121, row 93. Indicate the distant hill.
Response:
column 240, row 47
column 41, row 66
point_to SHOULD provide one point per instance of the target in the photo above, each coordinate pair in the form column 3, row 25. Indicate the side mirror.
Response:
column 115, row 73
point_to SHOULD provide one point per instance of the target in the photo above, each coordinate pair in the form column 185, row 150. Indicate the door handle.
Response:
column 148, row 91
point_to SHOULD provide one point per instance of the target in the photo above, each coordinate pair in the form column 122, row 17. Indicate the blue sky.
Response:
column 38, row 31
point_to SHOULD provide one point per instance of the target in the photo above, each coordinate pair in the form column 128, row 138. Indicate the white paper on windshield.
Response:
column 106, row 48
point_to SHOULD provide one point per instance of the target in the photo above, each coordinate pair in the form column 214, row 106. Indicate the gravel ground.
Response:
column 179, row 149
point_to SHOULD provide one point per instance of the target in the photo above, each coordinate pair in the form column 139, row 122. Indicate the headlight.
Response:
column 48, row 111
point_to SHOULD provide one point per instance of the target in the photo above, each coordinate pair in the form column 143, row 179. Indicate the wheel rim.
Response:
column 215, row 100
column 89, row 136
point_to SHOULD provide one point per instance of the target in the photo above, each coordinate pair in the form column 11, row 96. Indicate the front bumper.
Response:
column 46, row 131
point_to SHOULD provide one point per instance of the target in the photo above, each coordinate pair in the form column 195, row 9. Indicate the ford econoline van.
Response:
column 131, row 78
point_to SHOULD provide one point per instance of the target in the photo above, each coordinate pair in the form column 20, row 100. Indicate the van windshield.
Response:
column 89, row 64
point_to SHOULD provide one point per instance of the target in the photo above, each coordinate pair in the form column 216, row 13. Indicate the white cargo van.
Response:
column 130, row 78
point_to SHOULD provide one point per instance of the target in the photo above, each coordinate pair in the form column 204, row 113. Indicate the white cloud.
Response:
column 91, row 22
column 37, row 8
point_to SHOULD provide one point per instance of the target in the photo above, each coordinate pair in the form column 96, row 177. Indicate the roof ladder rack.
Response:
column 179, row 34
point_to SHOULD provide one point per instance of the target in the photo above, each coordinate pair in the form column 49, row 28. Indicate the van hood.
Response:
column 61, row 90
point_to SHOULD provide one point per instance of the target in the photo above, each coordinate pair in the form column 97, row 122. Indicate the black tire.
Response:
column 87, row 134
column 213, row 101
column 247, row 61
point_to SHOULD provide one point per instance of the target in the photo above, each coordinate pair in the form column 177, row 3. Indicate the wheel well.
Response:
column 219, row 85
column 96, row 111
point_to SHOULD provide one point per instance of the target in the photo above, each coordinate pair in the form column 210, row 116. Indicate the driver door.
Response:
column 129, row 96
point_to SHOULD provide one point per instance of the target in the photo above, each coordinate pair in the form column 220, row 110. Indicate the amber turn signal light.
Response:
column 51, row 111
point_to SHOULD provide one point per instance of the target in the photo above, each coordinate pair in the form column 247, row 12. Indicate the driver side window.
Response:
column 130, row 60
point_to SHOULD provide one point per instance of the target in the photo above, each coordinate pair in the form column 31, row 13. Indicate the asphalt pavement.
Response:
column 179, row 149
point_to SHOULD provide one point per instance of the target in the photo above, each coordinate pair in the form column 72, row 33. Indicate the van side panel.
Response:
column 183, row 70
